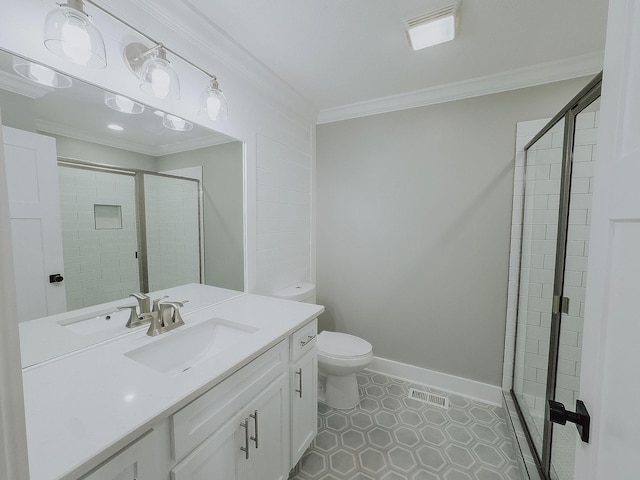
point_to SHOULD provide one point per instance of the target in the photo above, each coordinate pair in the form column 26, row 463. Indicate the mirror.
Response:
column 133, row 167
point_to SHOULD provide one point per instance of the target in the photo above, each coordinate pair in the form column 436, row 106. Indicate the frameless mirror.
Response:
column 140, row 200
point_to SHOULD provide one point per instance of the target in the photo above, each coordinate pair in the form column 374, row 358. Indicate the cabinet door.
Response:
column 135, row 462
column 217, row 457
column 269, row 454
column 304, row 404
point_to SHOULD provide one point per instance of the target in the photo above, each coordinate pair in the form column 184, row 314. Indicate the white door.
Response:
column 610, row 385
column 34, row 205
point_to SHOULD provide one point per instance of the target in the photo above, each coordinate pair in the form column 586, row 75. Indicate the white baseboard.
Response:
column 483, row 392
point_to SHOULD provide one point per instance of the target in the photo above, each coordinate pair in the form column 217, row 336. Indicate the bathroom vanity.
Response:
column 231, row 394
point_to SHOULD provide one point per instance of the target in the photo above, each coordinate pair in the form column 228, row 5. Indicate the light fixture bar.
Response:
column 151, row 39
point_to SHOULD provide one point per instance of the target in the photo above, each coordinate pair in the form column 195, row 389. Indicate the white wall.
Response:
column 100, row 265
column 413, row 227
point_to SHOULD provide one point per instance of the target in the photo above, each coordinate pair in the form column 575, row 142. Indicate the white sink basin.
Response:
column 187, row 346
column 97, row 322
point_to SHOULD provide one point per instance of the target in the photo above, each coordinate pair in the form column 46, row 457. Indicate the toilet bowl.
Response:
column 340, row 357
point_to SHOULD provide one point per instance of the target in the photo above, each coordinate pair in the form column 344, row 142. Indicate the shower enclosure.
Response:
column 127, row 231
column 554, row 247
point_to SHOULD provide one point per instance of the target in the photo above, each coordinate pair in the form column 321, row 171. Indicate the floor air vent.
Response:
column 430, row 398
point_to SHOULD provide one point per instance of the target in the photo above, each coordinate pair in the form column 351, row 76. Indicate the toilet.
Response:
column 340, row 357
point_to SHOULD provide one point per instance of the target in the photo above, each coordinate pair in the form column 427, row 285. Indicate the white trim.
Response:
column 22, row 86
column 483, row 392
column 580, row 66
column 13, row 434
column 211, row 139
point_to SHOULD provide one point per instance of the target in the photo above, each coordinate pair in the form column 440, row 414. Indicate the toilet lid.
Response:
column 342, row 345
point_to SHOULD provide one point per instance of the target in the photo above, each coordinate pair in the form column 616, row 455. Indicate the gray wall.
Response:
column 18, row 111
column 222, row 183
column 413, row 227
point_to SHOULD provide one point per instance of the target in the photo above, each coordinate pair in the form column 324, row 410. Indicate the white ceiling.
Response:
column 339, row 52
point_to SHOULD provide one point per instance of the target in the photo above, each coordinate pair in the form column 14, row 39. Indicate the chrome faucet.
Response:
column 166, row 318
column 141, row 314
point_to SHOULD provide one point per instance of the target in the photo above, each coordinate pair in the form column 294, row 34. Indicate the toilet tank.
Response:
column 300, row 292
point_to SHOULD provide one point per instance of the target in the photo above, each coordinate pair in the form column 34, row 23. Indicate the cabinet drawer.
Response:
column 195, row 422
column 304, row 339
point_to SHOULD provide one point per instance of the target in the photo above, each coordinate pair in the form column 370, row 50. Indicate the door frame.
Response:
column 13, row 437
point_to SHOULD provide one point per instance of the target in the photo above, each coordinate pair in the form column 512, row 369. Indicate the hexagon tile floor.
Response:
column 392, row 437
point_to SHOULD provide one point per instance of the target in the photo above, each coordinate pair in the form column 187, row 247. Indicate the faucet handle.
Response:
column 170, row 313
column 143, row 301
column 156, row 303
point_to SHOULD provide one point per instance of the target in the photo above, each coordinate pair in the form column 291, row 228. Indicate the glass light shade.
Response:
column 213, row 104
column 176, row 123
column 158, row 78
column 40, row 74
column 70, row 33
column 122, row 104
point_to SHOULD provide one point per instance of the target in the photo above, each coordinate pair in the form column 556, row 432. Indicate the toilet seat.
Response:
column 342, row 345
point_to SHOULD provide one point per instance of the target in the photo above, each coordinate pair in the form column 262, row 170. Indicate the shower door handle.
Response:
column 560, row 304
column 558, row 414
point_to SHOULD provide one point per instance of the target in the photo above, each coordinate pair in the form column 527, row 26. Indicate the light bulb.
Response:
column 177, row 122
column 213, row 107
column 42, row 75
column 160, row 81
column 124, row 104
column 76, row 43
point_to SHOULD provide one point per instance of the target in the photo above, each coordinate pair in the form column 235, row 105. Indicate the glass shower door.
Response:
column 541, row 204
column 172, row 231
column 569, row 342
column 552, row 279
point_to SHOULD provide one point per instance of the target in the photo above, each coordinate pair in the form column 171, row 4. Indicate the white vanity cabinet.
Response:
column 304, row 390
column 240, row 428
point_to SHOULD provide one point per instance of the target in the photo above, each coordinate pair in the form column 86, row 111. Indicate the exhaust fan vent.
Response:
column 430, row 398
column 432, row 28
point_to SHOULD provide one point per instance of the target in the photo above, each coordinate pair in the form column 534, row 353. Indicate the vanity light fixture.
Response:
column 437, row 26
column 176, row 123
column 40, row 74
column 157, row 76
column 70, row 33
column 213, row 102
column 123, row 104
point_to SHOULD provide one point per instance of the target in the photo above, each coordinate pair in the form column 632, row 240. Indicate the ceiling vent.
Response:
column 432, row 28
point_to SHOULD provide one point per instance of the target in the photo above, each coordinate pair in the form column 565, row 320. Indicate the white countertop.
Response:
column 45, row 338
column 83, row 408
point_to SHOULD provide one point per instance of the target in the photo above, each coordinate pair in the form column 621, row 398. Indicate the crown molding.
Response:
column 22, row 86
column 152, row 151
column 579, row 66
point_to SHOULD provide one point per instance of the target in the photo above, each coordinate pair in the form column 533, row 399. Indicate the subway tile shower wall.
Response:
column 99, row 264
column 542, row 222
